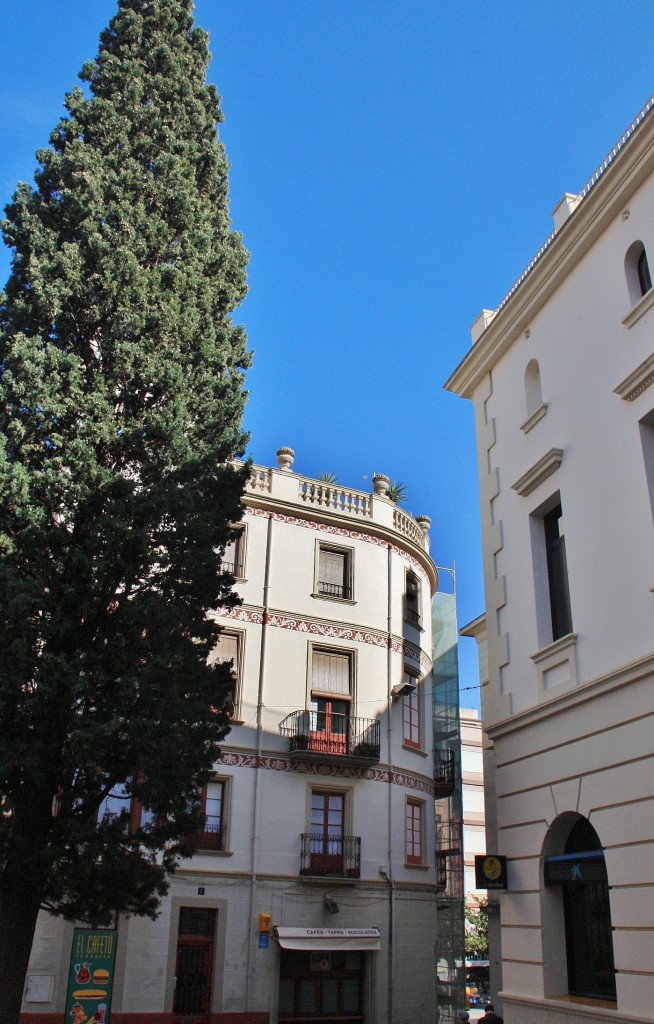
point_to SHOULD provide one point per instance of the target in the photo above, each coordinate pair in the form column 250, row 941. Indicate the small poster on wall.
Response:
column 91, row 976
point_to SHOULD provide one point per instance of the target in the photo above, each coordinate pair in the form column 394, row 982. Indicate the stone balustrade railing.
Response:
column 408, row 527
column 290, row 489
column 335, row 498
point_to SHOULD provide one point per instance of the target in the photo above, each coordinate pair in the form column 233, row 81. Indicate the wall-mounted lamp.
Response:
column 400, row 689
column 331, row 906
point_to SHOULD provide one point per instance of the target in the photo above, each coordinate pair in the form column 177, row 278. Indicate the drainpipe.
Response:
column 255, row 801
column 391, row 884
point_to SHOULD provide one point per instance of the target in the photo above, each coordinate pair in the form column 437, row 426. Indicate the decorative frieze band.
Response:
column 334, row 531
column 331, row 631
column 270, row 763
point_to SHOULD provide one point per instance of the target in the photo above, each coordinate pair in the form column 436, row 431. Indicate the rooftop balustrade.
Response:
column 375, row 508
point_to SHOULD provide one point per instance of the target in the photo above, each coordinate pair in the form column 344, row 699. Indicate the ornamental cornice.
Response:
column 605, row 201
column 336, row 525
column 638, row 381
column 594, row 689
column 324, row 629
column 540, row 471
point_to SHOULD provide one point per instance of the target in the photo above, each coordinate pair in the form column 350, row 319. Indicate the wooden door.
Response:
column 194, row 966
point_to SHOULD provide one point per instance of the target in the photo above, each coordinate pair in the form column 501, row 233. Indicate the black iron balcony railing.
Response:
column 233, row 567
column 443, row 773
column 441, row 871
column 322, row 733
column 412, row 614
column 325, row 856
column 211, row 838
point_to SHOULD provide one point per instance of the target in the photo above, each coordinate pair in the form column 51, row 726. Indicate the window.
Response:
column 117, row 801
column 213, row 806
column 325, row 985
column 412, row 599
column 230, row 649
column 326, row 849
column 327, row 828
column 233, row 559
column 646, row 426
column 414, row 832
column 411, row 717
column 533, row 391
column 644, row 279
column 557, row 573
column 331, row 685
column 639, row 280
column 334, row 572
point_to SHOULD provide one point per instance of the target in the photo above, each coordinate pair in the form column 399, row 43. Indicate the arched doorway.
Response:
column 578, row 874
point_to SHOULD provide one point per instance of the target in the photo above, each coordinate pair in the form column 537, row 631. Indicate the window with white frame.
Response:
column 550, row 572
column 230, row 649
column 214, row 804
column 334, row 572
column 331, row 698
column 412, row 599
column 639, row 280
column 233, row 559
column 411, row 713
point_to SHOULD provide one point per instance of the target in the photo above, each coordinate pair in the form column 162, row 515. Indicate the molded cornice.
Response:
column 605, row 201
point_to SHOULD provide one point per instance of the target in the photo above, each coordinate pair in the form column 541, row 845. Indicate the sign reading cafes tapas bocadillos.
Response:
column 91, row 976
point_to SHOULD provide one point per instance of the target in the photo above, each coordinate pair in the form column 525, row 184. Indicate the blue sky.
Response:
column 394, row 166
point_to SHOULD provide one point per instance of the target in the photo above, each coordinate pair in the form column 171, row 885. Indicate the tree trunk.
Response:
column 18, row 913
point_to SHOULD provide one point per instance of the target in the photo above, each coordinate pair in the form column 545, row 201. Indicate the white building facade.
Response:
column 313, row 892
column 474, row 819
column 561, row 378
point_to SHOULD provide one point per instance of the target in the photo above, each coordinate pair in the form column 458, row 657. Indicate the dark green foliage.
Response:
column 121, row 384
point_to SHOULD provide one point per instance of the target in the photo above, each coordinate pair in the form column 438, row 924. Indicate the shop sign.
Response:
column 490, row 871
column 91, row 976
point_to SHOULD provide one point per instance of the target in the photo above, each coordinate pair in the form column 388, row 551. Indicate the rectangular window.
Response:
column 118, row 801
column 234, row 556
column 647, row 440
column 412, row 599
column 557, row 573
column 213, row 805
column 334, row 577
column 331, row 682
column 327, row 832
column 230, row 649
column 414, row 832
column 411, row 714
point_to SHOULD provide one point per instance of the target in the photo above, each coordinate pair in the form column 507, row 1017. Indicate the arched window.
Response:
column 644, row 279
column 577, row 911
column 533, row 391
column 639, row 279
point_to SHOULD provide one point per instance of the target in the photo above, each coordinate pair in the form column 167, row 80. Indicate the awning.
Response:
column 328, row 938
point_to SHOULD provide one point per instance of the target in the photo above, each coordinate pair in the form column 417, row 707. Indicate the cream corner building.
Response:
column 561, row 377
column 320, row 816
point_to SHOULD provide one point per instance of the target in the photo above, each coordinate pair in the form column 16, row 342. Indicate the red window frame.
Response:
column 413, row 832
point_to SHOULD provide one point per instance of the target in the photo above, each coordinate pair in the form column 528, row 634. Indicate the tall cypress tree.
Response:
column 121, row 378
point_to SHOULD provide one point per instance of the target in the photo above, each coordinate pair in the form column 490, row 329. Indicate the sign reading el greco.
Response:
column 91, row 976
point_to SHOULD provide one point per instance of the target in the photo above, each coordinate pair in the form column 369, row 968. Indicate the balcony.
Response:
column 325, row 856
column 328, row 737
column 443, row 773
column 211, row 838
